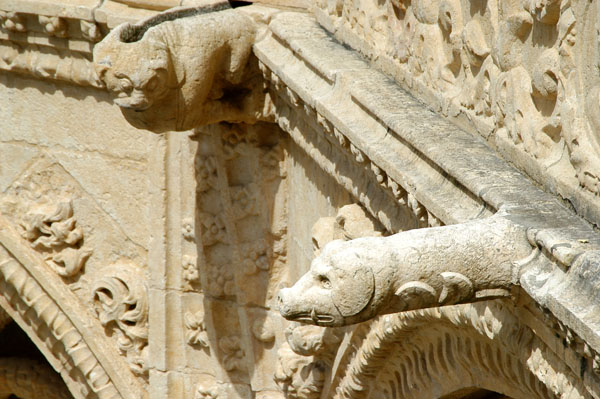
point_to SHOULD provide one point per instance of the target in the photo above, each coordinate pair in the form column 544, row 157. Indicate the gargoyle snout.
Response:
column 283, row 303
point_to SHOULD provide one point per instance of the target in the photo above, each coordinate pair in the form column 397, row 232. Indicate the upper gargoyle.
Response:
column 182, row 68
column 356, row 280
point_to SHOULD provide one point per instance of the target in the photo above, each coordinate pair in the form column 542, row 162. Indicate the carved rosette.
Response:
column 120, row 300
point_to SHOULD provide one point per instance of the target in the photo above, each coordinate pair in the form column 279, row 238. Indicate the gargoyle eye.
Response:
column 152, row 84
column 324, row 280
column 125, row 84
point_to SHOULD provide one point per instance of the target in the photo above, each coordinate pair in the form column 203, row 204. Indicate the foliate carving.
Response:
column 182, row 69
column 120, row 299
column 190, row 268
column 452, row 344
column 54, row 26
column 233, row 353
column 195, row 329
column 257, row 257
column 47, row 221
column 47, row 63
column 213, row 229
column 12, row 21
column 213, row 390
column 304, row 360
column 52, row 230
column 356, row 280
column 66, row 337
column 221, row 282
column 533, row 92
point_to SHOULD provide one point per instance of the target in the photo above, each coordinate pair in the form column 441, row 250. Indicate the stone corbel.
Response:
column 356, row 280
column 183, row 68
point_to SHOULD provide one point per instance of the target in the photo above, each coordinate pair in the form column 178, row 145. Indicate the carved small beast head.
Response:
column 137, row 71
column 336, row 290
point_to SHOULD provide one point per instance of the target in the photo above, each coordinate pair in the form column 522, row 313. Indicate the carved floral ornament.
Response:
column 121, row 303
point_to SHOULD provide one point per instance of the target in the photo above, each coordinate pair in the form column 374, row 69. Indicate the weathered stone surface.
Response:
column 149, row 265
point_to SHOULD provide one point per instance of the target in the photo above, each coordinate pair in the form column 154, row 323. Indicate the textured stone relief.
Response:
column 521, row 73
column 53, row 230
column 306, row 358
column 293, row 113
column 412, row 350
column 121, row 302
column 41, row 308
column 12, row 21
column 240, row 233
column 55, row 47
column 46, row 220
column 182, row 69
column 196, row 329
column 356, row 280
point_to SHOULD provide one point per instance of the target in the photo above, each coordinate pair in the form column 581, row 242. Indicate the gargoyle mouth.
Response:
column 312, row 317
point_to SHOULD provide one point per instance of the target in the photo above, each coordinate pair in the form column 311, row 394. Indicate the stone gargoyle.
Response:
column 353, row 281
column 182, row 68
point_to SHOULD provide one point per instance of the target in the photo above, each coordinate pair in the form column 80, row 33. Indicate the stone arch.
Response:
column 71, row 340
column 435, row 353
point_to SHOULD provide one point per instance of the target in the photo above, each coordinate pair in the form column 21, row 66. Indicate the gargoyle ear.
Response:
column 353, row 290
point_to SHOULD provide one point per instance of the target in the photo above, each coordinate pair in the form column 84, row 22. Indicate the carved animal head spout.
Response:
column 336, row 291
column 356, row 280
column 180, row 69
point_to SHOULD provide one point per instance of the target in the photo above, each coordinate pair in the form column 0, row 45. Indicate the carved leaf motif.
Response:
column 52, row 229
column 196, row 330
column 233, row 358
column 120, row 300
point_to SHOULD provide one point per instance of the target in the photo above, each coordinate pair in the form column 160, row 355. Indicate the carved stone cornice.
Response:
column 405, row 140
column 532, row 96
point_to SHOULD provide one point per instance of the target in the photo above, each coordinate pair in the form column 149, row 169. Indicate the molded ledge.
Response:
column 454, row 174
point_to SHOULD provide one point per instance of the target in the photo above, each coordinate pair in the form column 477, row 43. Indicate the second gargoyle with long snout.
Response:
column 353, row 281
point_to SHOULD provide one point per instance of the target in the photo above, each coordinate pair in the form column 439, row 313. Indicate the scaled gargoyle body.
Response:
column 356, row 280
column 183, row 68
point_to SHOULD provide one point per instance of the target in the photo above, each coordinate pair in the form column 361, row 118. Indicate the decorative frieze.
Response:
column 520, row 73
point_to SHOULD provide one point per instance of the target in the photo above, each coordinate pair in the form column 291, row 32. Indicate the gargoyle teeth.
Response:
column 313, row 315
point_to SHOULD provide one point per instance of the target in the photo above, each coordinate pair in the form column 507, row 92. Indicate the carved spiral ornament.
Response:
column 121, row 302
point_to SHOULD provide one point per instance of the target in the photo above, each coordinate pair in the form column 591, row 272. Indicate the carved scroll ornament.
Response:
column 121, row 302
column 182, row 68
column 357, row 280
